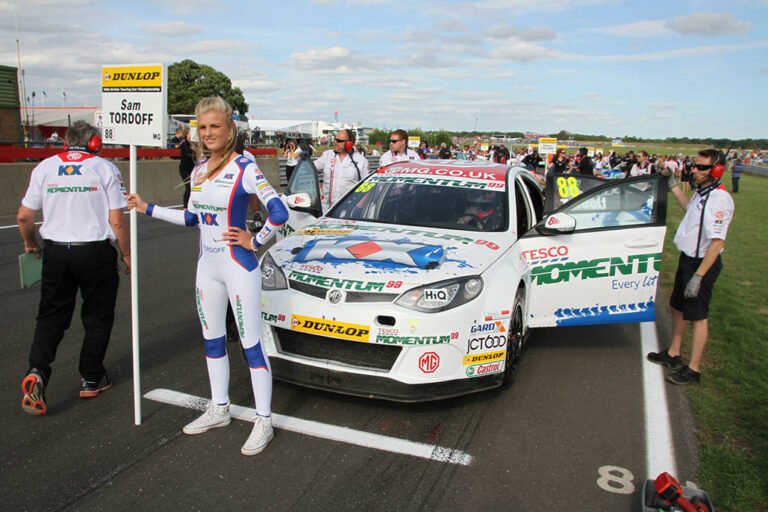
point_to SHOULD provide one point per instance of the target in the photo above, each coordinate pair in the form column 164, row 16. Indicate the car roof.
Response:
column 449, row 169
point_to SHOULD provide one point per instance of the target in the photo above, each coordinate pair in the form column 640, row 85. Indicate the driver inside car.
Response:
column 482, row 210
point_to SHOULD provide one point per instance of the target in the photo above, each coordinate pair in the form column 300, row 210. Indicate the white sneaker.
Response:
column 260, row 437
column 214, row 416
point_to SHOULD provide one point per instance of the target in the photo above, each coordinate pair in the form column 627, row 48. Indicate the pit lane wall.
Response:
column 158, row 180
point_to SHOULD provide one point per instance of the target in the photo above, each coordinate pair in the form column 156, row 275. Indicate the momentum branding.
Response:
column 413, row 340
column 333, row 282
column 596, row 268
column 53, row 189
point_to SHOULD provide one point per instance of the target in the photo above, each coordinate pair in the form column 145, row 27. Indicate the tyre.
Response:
column 515, row 338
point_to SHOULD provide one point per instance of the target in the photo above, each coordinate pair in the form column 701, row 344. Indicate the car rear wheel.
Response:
column 515, row 339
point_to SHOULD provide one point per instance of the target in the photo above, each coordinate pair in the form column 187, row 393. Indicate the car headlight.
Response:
column 442, row 295
column 272, row 276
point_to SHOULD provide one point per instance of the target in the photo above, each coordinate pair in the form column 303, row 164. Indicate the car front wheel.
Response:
column 515, row 338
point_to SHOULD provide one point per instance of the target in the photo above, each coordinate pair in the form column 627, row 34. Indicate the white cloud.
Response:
column 697, row 51
column 525, row 34
column 525, row 6
column 521, row 51
column 205, row 46
column 636, row 29
column 174, row 28
column 320, row 59
column 256, row 85
column 708, row 24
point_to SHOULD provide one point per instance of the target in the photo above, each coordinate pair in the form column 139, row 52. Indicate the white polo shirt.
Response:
column 389, row 157
column 717, row 216
column 339, row 175
column 76, row 190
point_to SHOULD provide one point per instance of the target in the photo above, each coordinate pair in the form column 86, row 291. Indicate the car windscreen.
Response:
column 446, row 206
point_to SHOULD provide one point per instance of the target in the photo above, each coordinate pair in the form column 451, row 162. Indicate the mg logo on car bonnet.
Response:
column 365, row 249
column 429, row 362
column 335, row 296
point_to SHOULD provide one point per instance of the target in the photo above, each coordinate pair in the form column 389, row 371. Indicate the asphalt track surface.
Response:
column 545, row 443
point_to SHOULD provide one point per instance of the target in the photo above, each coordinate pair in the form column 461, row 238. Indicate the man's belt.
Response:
column 76, row 244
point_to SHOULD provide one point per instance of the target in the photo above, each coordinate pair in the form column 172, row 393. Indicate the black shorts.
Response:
column 697, row 308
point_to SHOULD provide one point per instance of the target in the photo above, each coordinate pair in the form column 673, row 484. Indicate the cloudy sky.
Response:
column 650, row 68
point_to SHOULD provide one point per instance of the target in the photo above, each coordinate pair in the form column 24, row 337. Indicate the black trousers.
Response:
column 92, row 269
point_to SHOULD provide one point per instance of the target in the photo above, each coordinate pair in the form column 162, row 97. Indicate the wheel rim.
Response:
column 514, row 343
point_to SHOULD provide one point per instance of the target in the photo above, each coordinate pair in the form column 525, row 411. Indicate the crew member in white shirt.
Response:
column 82, row 197
column 643, row 166
column 341, row 168
column 700, row 238
column 398, row 149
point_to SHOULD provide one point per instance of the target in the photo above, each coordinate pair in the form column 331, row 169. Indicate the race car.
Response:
column 424, row 281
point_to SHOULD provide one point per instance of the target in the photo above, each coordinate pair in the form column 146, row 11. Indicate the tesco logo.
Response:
column 546, row 252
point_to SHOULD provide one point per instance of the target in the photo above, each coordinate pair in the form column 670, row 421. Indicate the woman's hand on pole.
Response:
column 135, row 201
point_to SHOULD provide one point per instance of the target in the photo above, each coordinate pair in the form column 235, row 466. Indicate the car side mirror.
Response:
column 556, row 224
column 301, row 202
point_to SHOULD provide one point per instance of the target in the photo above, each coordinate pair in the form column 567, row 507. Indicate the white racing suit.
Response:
column 229, row 272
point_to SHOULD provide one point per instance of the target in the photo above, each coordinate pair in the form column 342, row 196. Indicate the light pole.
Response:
column 475, row 130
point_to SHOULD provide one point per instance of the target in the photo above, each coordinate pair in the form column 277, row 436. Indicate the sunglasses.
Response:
column 394, row 141
column 703, row 167
column 341, row 140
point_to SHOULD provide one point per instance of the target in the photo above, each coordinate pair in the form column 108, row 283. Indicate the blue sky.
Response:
column 614, row 67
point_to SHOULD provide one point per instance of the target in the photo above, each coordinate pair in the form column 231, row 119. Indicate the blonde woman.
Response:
column 227, row 270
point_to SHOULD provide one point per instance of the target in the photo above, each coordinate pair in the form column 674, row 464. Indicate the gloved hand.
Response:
column 672, row 181
column 693, row 287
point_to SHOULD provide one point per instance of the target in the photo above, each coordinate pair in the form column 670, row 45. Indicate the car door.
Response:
column 301, row 197
column 596, row 259
column 562, row 187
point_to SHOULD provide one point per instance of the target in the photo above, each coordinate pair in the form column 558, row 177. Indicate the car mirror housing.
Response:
column 301, row 202
column 556, row 224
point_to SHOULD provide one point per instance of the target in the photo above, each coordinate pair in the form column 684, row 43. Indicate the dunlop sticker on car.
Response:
column 486, row 357
column 330, row 328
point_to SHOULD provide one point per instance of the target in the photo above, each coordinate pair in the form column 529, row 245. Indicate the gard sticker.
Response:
column 486, row 357
column 597, row 268
column 494, row 326
column 330, row 328
column 413, row 340
column 479, row 370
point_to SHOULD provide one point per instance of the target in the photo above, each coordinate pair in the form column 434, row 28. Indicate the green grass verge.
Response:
column 731, row 402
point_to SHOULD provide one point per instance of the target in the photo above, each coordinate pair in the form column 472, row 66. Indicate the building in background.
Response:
column 11, row 131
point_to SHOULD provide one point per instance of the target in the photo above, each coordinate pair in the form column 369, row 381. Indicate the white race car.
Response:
column 424, row 280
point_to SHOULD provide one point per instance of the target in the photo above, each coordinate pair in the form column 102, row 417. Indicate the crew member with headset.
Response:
column 398, row 149
column 82, row 197
column 342, row 169
column 700, row 238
